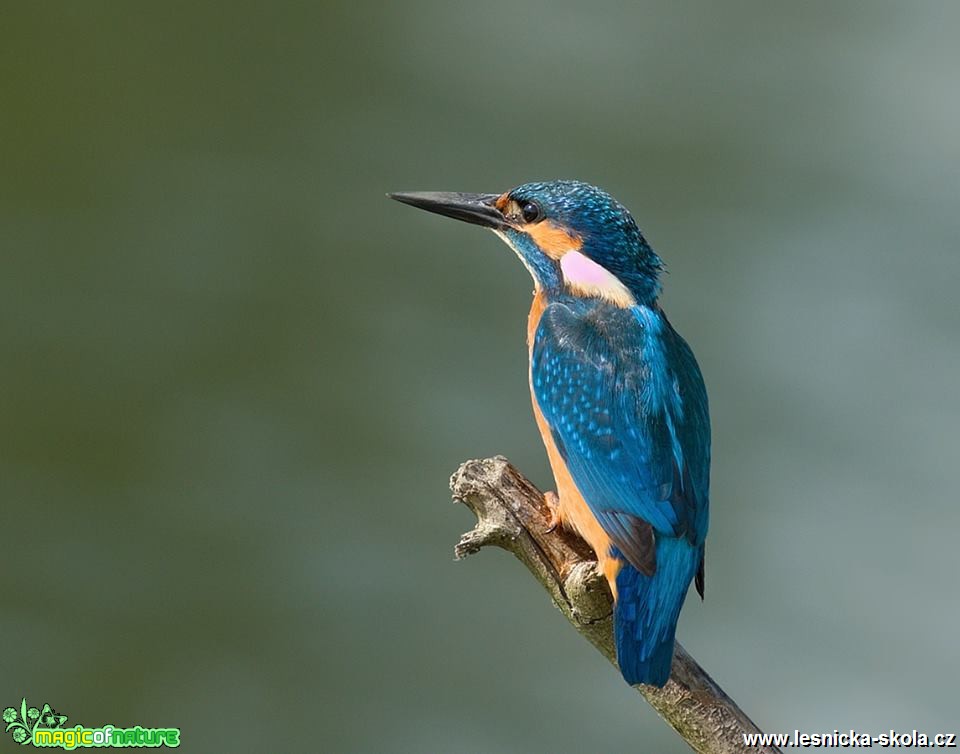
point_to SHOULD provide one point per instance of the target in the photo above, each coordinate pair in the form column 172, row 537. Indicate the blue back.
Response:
column 627, row 409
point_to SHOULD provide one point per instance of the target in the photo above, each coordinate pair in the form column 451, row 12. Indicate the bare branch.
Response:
column 511, row 514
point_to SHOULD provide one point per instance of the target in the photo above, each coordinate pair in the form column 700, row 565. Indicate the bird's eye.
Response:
column 531, row 212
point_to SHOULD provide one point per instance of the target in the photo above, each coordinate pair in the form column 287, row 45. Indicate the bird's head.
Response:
column 570, row 235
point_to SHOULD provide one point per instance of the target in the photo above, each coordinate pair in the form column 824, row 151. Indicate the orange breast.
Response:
column 573, row 510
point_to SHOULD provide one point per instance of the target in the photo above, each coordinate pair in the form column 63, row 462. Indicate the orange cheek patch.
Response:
column 553, row 240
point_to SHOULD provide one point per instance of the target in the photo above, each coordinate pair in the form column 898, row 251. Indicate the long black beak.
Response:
column 478, row 209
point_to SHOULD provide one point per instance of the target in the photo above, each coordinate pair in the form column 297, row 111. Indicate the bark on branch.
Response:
column 511, row 514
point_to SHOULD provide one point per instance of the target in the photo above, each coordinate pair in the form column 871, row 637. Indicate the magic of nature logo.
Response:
column 44, row 727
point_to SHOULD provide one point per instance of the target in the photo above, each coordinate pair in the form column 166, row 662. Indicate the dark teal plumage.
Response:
column 621, row 395
column 626, row 405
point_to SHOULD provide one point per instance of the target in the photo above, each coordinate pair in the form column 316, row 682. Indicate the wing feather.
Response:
column 625, row 403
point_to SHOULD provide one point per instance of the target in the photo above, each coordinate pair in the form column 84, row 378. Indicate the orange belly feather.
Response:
column 573, row 510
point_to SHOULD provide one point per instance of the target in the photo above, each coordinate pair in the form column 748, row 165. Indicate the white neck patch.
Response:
column 587, row 278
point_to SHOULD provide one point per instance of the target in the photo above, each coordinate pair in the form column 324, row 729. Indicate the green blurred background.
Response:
column 236, row 378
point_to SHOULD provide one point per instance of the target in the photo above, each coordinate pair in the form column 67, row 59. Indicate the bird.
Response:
column 618, row 398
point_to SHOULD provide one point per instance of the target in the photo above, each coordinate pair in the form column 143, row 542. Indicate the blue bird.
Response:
column 618, row 398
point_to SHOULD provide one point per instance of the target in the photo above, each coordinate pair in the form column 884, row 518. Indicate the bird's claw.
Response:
column 553, row 505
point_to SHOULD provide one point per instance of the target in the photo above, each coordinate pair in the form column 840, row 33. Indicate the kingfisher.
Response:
column 618, row 398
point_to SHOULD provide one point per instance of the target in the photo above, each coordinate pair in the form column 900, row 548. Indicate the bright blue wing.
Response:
column 625, row 402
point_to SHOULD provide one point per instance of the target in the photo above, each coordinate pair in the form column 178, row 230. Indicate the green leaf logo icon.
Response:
column 23, row 722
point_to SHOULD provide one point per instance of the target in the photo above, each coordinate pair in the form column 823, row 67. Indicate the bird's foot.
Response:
column 553, row 505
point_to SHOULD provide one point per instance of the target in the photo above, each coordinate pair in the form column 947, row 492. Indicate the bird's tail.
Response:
column 647, row 609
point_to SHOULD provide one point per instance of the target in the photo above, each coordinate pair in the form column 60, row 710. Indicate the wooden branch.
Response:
column 511, row 514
